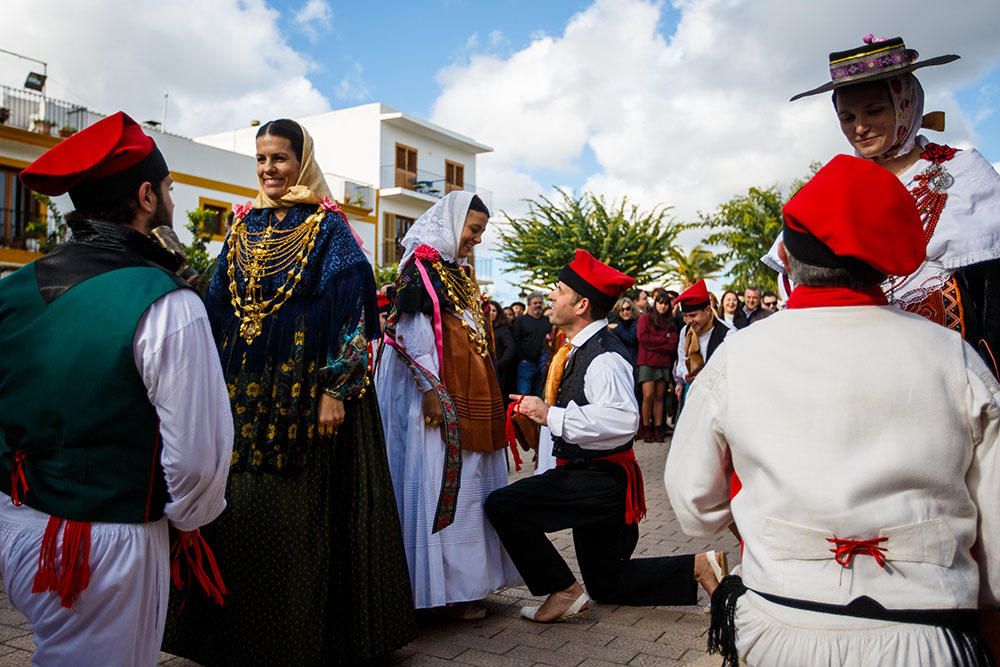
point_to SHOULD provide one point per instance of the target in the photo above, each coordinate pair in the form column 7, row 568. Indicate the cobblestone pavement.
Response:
column 609, row 635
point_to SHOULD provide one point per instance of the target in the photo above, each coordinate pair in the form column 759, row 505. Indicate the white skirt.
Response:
column 466, row 561
column 772, row 634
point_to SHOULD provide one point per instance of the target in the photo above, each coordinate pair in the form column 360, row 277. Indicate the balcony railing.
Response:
column 20, row 237
column 34, row 112
column 428, row 183
column 353, row 193
column 484, row 268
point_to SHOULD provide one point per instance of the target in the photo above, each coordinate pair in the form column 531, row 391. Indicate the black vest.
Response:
column 719, row 331
column 571, row 389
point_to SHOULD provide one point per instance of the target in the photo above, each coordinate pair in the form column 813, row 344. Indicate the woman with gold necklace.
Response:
column 309, row 545
column 443, row 413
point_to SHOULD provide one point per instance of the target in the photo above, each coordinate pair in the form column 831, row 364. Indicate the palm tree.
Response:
column 698, row 263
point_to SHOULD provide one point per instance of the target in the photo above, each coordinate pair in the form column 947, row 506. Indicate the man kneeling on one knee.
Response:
column 596, row 488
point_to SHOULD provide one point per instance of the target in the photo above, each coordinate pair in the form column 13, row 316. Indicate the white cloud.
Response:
column 695, row 117
column 223, row 62
column 352, row 86
column 314, row 18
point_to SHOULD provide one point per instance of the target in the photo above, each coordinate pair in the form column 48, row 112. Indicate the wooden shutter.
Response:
column 389, row 239
column 406, row 166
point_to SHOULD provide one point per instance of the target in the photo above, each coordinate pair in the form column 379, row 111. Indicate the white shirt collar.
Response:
column 588, row 331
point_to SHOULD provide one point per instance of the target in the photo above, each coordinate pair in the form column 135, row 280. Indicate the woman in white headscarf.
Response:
column 880, row 106
column 443, row 415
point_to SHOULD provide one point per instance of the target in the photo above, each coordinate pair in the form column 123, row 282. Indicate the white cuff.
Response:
column 555, row 421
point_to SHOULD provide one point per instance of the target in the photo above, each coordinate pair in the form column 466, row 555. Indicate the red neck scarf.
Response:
column 804, row 296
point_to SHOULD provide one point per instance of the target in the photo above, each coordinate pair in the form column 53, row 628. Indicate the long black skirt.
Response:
column 314, row 563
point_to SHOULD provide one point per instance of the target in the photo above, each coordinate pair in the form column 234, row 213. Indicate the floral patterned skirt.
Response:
column 314, row 562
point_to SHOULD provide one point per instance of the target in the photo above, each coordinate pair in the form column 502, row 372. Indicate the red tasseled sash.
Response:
column 75, row 576
column 635, row 493
column 191, row 549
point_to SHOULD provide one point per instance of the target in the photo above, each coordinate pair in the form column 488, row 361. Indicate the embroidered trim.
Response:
column 451, row 478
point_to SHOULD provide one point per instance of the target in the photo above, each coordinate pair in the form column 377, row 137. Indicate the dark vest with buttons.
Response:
column 571, row 389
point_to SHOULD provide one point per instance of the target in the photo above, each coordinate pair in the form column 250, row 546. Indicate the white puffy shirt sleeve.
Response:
column 612, row 415
column 698, row 471
column 179, row 364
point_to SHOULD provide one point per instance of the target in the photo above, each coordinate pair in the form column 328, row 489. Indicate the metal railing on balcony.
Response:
column 35, row 112
column 353, row 193
column 428, row 183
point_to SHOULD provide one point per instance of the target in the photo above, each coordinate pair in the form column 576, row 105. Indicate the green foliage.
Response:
column 620, row 234
column 698, row 263
column 744, row 228
column 197, row 250
column 387, row 273
column 49, row 235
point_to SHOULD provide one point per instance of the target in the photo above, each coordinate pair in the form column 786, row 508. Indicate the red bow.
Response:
column 846, row 550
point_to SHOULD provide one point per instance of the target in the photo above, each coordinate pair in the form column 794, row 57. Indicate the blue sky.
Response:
column 680, row 102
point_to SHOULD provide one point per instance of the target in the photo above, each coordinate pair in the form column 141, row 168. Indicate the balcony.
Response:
column 423, row 186
column 351, row 193
column 34, row 112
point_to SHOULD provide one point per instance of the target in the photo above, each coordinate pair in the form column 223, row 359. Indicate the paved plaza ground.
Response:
column 609, row 635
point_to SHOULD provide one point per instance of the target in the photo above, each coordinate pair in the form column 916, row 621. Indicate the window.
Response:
column 406, row 166
column 18, row 207
column 454, row 176
column 394, row 228
column 216, row 225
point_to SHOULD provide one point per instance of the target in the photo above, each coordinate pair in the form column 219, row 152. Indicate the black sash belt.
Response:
column 960, row 626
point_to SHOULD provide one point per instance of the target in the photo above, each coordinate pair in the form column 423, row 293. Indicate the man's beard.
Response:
column 161, row 216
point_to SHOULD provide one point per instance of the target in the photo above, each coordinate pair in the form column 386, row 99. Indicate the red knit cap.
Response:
column 851, row 211
column 98, row 162
column 594, row 279
column 694, row 298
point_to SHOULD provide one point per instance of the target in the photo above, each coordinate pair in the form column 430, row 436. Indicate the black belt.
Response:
column 960, row 626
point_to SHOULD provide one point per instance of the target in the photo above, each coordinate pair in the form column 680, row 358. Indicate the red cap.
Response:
column 852, row 211
column 595, row 280
column 113, row 147
column 694, row 298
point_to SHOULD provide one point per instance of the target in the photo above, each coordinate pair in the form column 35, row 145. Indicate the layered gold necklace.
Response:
column 258, row 255
column 463, row 291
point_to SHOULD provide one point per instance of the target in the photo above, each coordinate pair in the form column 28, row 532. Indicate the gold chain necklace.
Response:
column 258, row 255
column 463, row 290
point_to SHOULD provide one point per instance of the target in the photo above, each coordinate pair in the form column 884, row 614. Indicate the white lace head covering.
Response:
column 440, row 227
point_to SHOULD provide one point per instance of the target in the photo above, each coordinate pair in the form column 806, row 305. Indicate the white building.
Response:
column 204, row 176
column 388, row 164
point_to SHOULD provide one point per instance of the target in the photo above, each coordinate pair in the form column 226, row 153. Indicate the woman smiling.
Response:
column 310, row 513
column 880, row 107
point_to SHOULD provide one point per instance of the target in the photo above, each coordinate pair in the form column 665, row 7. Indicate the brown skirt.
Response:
column 472, row 382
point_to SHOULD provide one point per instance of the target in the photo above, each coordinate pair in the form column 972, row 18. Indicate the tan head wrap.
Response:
column 309, row 189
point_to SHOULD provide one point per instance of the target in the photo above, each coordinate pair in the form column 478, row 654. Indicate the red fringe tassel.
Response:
column 75, row 576
column 510, row 434
column 192, row 549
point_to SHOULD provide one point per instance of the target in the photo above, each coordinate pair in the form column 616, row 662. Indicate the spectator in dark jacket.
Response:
column 531, row 331
column 505, row 360
column 751, row 311
column 657, row 334
column 622, row 322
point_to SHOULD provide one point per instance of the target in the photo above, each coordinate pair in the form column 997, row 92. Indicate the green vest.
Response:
column 72, row 400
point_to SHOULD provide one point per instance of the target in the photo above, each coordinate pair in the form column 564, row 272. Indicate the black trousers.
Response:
column 590, row 499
